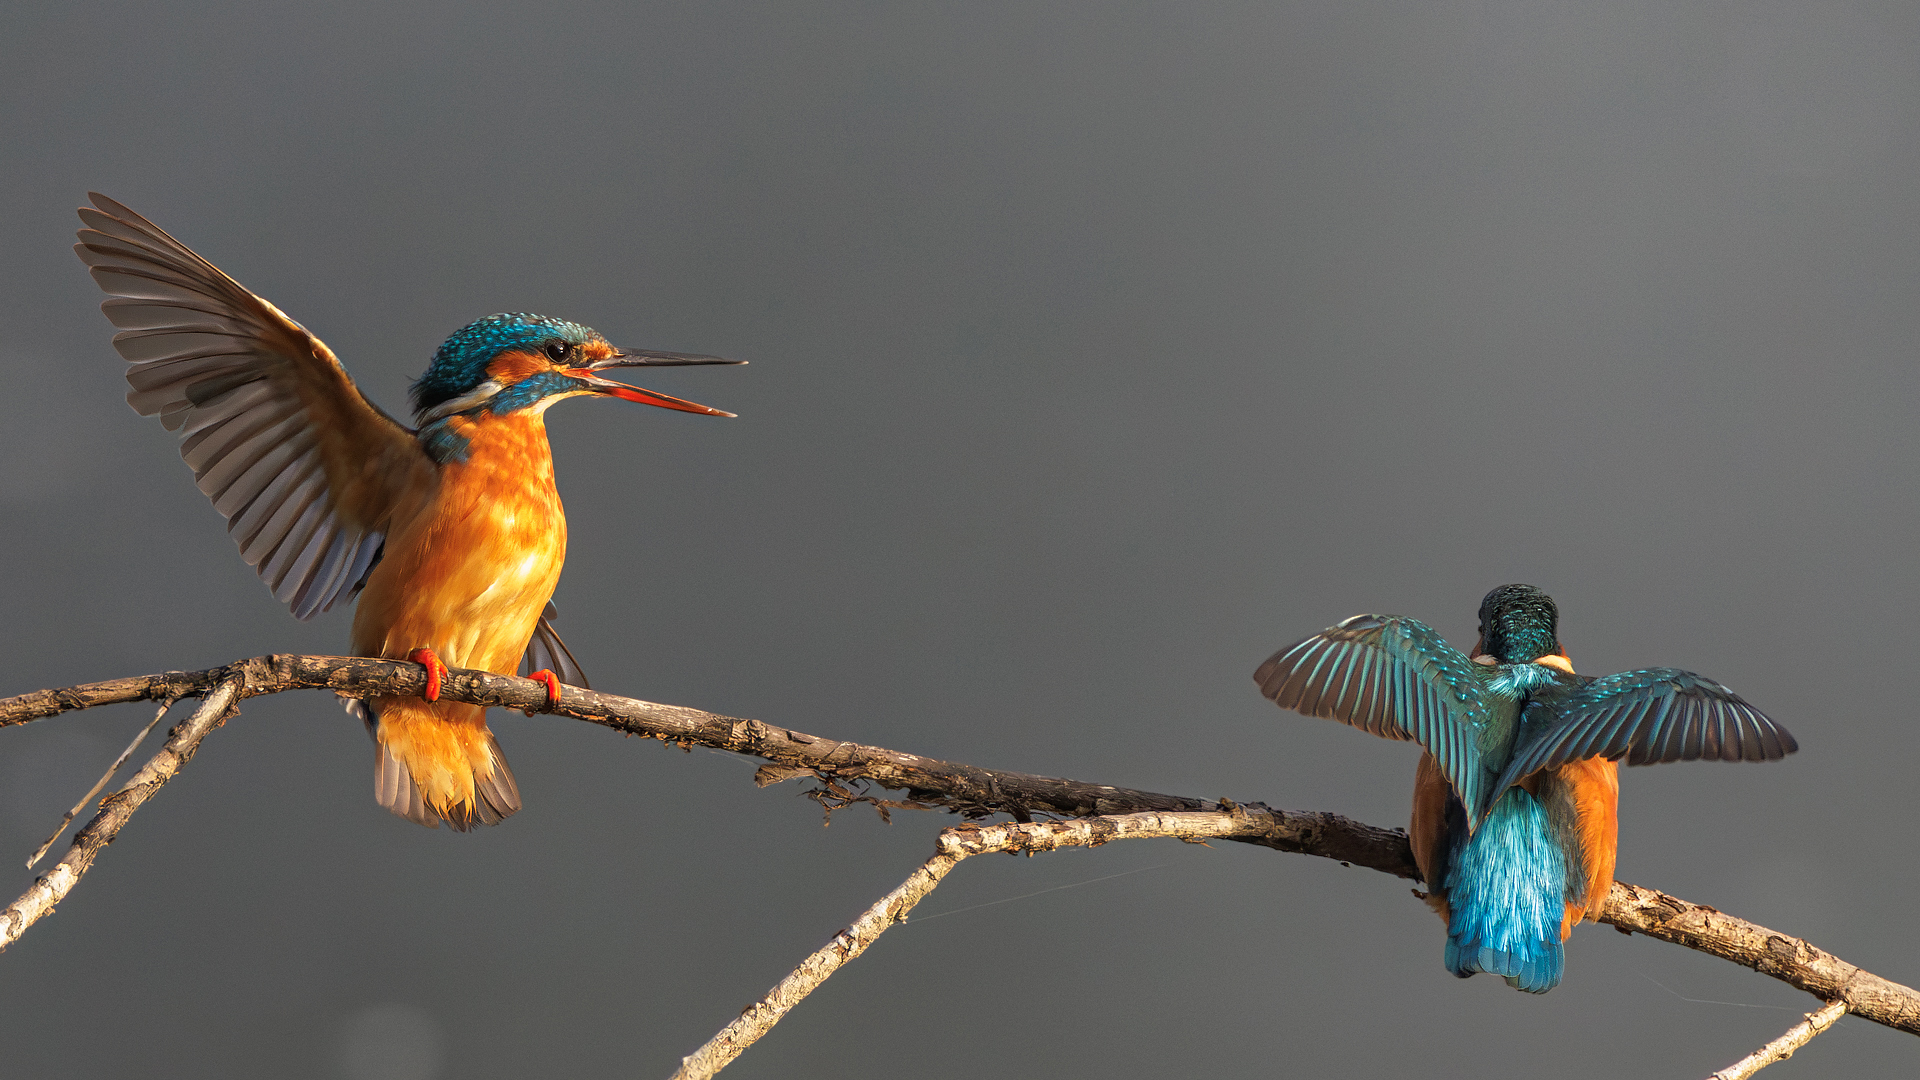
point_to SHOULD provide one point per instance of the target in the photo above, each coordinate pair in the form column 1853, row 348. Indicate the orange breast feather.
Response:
column 465, row 573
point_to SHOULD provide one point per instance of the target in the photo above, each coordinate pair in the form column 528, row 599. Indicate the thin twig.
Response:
column 758, row 1018
column 100, row 783
column 953, row 845
column 976, row 792
column 1783, row 1047
column 52, row 887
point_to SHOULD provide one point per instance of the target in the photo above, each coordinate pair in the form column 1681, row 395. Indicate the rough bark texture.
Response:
column 1769, row 952
column 845, row 769
column 1783, row 1047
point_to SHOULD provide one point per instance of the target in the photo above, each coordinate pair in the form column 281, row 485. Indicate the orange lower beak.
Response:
column 642, row 395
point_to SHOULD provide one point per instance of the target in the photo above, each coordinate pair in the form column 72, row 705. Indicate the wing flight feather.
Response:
column 1393, row 677
column 1648, row 716
column 546, row 650
column 305, row 469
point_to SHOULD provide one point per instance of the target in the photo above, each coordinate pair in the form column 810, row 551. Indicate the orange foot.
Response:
column 436, row 671
column 546, row 675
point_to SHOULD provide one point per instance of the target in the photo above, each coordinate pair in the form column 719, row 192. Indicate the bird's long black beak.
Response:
column 648, row 358
column 653, row 358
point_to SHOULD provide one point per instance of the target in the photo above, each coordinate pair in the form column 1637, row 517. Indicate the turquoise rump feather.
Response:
column 1508, row 884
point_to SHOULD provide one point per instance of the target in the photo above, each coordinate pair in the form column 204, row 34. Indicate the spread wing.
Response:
column 1648, row 716
column 1394, row 677
column 546, row 650
column 305, row 469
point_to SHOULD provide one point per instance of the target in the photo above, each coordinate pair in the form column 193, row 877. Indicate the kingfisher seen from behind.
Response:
column 451, row 533
column 1514, row 802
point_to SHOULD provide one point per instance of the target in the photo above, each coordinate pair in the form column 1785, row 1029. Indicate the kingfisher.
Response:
column 1515, row 801
column 450, row 533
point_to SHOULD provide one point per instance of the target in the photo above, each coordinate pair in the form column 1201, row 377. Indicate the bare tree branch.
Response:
column 105, row 779
column 974, row 792
column 53, row 887
column 758, row 1018
column 964, row 789
column 953, row 845
column 1631, row 908
column 1783, row 1047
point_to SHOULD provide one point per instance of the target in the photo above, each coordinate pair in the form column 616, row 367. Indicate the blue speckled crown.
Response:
column 461, row 362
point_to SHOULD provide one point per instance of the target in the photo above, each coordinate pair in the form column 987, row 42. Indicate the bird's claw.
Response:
column 436, row 671
column 552, row 681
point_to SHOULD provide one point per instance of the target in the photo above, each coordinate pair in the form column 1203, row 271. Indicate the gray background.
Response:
column 1097, row 351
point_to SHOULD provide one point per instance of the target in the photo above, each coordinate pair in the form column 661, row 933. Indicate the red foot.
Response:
column 544, row 675
column 436, row 671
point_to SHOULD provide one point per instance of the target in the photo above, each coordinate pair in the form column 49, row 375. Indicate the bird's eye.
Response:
column 558, row 351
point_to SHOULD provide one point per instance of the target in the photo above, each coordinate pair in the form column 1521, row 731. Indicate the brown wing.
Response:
column 305, row 469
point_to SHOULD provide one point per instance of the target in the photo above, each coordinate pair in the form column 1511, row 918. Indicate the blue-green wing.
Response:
column 1394, row 677
column 1647, row 717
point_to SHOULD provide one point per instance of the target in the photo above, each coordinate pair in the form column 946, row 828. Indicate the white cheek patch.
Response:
column 476, row 396
column 549, row 401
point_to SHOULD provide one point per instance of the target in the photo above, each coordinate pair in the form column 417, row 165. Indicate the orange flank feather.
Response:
column 1596, row 799
column 1590, row 786
column 465, row 574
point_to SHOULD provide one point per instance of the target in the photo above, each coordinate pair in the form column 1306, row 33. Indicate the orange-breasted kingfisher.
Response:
column 450, row 533
column 1515, row 800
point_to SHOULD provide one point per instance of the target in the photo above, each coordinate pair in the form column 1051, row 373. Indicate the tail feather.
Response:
column 1535, row 967
column 495, row 795
column 393, row 788
column 393, row 785
column 1507, row 886
column 497, row 792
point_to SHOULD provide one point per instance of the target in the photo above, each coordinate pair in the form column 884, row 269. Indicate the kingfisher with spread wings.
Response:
column 1514, row 802
column 450, row 533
